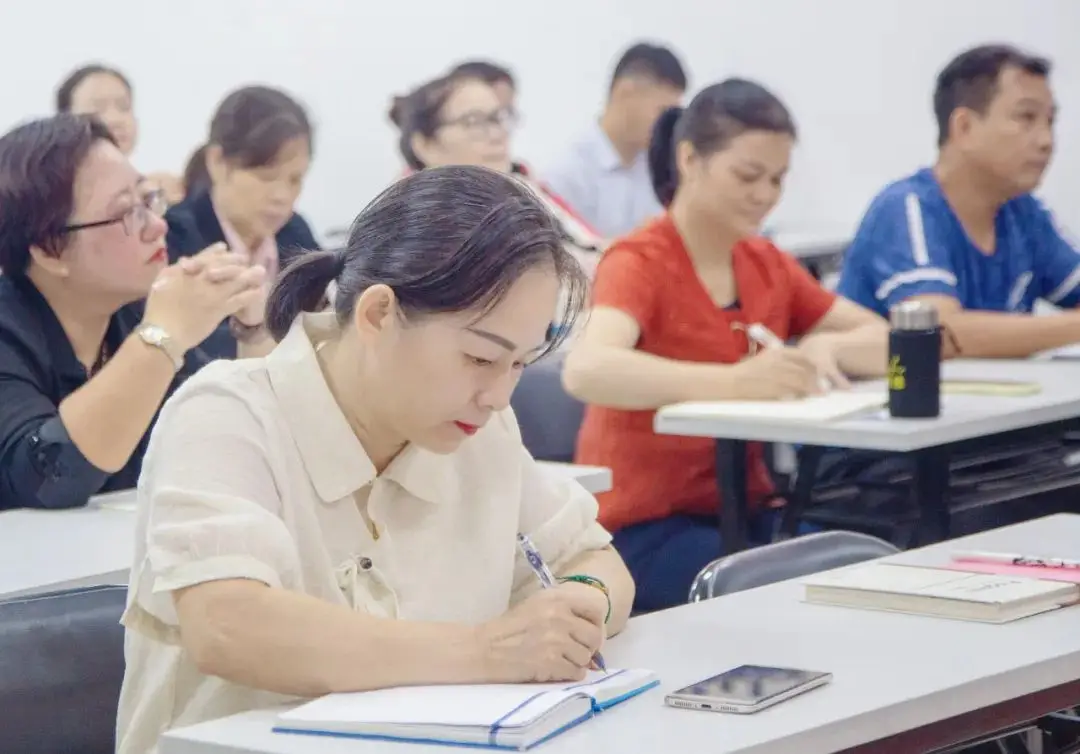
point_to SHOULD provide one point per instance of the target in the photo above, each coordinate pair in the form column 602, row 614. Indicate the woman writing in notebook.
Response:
column 342, row 514
column 672, row 303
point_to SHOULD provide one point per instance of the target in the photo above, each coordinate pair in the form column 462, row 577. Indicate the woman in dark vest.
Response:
column 257, row 156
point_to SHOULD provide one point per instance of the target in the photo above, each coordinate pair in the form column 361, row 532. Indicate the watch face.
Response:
column 153, row 334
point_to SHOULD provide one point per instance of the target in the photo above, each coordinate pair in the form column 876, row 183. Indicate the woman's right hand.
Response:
column 776, row 374
column 189, row 299
column 551, row 636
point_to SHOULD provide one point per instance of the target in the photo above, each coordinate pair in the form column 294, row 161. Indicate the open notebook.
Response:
column 816, row 408
column 510, row 716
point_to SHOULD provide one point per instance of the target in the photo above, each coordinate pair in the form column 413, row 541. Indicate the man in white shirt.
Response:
column 604, row 176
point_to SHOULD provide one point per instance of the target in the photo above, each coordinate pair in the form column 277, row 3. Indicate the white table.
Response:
column 595, row 479
column 892, row 672
column 47, row 550
column 962, row 416
column 811, row 244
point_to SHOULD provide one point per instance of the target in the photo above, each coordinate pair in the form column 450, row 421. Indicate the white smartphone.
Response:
column 746, row 689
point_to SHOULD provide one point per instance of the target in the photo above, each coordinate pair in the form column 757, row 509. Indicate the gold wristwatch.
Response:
column 156, row 336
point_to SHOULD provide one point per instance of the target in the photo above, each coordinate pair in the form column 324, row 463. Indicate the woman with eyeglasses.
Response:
column 106, row 93
column 85, row 362
column 256, row 157
column 460, row 119
column 500, row 78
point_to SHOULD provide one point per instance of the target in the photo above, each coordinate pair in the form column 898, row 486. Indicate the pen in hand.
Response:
column 766, row 338
column 546, row 578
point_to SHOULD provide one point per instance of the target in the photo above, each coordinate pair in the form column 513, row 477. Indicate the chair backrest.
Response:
column 787, row 559
column 549, row 417
column 61, row 666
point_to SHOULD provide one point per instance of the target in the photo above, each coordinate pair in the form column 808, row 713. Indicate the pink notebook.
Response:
column 1007, row 569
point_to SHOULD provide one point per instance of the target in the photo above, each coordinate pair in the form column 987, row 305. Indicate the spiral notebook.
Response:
column 498, row 716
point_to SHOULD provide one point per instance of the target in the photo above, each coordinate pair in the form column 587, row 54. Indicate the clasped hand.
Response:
column 191, row 298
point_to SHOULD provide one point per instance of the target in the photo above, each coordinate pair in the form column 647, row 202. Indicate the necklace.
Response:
column 101, row 360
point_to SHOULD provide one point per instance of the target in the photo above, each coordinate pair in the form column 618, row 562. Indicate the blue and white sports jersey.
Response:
column 910, row 243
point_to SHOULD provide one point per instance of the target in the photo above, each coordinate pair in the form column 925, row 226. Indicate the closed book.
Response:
column 938, row 592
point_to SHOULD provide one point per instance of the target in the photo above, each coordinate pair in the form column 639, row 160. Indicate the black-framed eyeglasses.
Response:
column 133, row 219
column 477, row 123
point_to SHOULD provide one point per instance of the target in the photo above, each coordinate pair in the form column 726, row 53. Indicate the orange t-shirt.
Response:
column 650, row 276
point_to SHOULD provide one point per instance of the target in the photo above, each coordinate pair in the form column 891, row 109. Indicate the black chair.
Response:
column 61, row 666
column 549, row 417
column 783, row 560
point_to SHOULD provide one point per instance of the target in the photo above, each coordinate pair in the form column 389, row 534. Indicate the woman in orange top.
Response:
column 671, row 303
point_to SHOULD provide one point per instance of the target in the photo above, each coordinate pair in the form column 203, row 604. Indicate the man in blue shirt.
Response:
column 604, row 176
column 967, row 235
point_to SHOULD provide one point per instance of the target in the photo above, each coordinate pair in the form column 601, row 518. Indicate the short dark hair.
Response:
column 484, row 70
column 38, row 164
column 651, row 61
column 449, row 239
column 420, row 112
column 66, row 91
column 970, row 80
column 713, row 118
column 252, row 124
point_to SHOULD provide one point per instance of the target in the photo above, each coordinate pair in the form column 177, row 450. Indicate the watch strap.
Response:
column 159, row 338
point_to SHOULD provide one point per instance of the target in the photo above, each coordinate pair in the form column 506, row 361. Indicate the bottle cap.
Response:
column 913, row 315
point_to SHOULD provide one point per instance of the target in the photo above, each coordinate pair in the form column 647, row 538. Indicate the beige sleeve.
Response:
column 210, row 508
column 558, row 515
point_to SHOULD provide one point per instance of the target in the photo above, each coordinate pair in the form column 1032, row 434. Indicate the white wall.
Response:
column 856, row 73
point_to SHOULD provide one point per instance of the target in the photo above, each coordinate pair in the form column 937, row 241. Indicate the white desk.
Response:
column 595, row 479
column 47, row 550
column 962, row 416
column 893, row 673
column 809, row 244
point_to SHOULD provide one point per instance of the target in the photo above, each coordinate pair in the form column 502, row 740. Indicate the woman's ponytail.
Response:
column 196, row 174
column 396, row 113
column 661, row 157
column 301, row 288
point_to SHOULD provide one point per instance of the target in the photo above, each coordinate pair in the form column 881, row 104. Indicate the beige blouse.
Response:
column 253, row 472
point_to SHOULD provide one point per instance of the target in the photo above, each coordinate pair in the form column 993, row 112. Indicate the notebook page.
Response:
column 996, row 388
column 479, row 705
column 833, row 405
column 614, row 685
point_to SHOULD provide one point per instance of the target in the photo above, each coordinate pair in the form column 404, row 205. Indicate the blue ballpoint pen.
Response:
column 545, row 576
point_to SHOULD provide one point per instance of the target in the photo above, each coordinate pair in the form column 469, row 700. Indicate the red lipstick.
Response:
column 469, row 429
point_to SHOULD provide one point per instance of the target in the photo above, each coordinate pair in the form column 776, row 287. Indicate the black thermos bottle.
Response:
column 914, row 373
